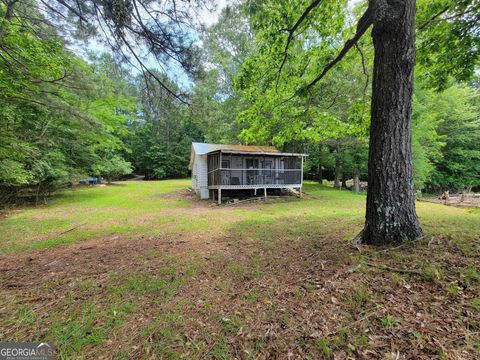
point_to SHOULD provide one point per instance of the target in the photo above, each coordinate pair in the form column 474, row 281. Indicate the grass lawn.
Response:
column 144, row 270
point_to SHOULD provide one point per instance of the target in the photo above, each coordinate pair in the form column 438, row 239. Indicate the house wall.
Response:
column 199, row 176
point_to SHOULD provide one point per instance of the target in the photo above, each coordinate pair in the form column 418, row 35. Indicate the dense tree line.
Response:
column 65, row 117
column 163, row 134
column 62, row 118
column 331, row 122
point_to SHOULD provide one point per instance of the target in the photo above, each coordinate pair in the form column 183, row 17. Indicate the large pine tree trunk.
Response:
column 390, row 214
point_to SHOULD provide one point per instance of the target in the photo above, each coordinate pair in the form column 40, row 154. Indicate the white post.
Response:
column 220, row 180
column 301, row 179
column 265, row 193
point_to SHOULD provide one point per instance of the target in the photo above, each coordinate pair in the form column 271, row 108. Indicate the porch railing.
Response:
column 254, row 177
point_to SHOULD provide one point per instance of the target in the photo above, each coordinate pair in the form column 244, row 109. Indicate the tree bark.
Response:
column 319, row 174
column 319, row 166
column 356, row 180
column 338, row 175
column 390, row 215
column 338, row 169
column 10, row 9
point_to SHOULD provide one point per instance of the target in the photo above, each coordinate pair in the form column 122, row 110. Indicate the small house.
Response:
column 217, row 167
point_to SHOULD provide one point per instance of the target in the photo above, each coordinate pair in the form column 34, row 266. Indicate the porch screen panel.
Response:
column 213, row 169
column 236, row 172
column 293, row 169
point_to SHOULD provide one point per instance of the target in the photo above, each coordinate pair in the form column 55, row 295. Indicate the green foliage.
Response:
column 60, row 117
column 389, row 322
column 162, row 138
column 327, row 118
column 215, row 103
column 111, row 168
column 448, row 40
column 278, row 113
column 475, row 304
column 459, row 167
column 446, row 134
column 324, row 347
column 63, row 118
column 426, row 142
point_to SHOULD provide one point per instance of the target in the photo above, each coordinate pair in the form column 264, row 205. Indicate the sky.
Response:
column 210, row 17
column 205, row 17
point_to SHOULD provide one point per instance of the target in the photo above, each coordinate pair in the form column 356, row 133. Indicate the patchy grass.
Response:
column 144, row 270
column 87, row 212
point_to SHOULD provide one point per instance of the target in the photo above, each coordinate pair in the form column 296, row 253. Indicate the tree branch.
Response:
column 362, row 26
column 364, row 67
column 143, row 68
column 367, row 80
column 429, row 21
column 291, row 31
column 73, row 10
column 10, row 9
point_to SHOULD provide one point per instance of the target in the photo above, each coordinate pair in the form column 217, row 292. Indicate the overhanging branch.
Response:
column 291, row 31
column 362, row 26
column 143, row 68
column 433, row 18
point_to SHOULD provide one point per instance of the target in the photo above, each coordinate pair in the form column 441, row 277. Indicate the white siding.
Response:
column 195, row 177
column 200, row 177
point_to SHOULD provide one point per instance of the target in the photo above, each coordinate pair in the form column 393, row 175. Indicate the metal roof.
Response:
column 203, row 148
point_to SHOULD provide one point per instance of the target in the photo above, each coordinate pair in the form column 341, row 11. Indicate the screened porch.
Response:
column 228, row 170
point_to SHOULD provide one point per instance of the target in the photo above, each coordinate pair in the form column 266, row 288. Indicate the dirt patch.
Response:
column 245, row 201
column 299, row 296
column 183, row 194
column 250, row 289
column 91, row 257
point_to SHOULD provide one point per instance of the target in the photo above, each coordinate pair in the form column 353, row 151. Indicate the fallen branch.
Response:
column 462, row 336
column 71, row 229
column 15, row 285
column 398, row 270
column 363, row 318
column 208, row 351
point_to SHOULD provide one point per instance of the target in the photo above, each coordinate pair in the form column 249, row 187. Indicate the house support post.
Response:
column 220, row 177
column 219, row 196
column 265, row 193
column 301, row 179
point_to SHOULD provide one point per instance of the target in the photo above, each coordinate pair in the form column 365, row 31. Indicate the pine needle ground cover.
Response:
column 144, row 270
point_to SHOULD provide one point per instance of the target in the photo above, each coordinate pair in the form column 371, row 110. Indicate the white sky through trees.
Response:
column 205, row 17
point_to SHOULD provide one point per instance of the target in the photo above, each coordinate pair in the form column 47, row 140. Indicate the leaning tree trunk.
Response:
column 390, row 214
